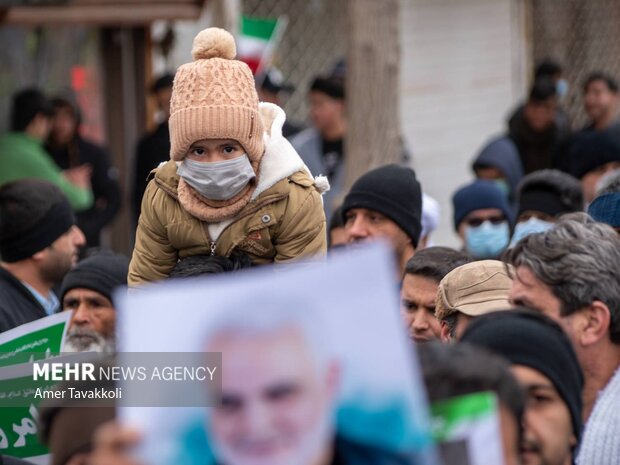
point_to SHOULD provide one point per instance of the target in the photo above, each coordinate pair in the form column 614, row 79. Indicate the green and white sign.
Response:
column 467, row 429
column 20, row 346
column 44, row 337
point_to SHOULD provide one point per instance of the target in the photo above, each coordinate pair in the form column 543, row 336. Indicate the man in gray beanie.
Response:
column 88, row 291
column 386, row 203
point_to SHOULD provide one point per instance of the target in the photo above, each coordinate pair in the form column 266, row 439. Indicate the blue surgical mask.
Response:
column 487, row 240
column 220, row 180
column 561, row 87
column 531, row 226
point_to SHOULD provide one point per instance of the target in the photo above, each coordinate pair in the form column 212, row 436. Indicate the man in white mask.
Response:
column 233, row 181
column 542, row 197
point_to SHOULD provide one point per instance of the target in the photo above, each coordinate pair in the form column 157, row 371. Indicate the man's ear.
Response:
column 40, row 255
column 444, row 333
column 594, row 323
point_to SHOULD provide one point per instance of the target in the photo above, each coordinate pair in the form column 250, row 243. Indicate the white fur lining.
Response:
column 215, row 229
column 280, row 159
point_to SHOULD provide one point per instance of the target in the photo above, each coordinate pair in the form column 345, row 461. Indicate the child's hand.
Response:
column 112, row 443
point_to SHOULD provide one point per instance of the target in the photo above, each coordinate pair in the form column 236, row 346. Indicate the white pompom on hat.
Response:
column 214, row 43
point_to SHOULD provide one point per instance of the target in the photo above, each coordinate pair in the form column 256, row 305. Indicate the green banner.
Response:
column 450, row 414
column 40, row 339
column 18, row 425
column 467, row 429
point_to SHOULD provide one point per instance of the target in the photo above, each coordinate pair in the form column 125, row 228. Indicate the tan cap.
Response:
column 474, row 289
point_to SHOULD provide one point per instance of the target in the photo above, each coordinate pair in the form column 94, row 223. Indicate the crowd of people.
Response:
column 528, row 307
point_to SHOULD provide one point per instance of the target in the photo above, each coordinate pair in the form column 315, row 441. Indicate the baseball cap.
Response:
column 474, row 289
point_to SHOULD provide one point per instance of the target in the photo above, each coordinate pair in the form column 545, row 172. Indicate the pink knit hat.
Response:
column 214, row 97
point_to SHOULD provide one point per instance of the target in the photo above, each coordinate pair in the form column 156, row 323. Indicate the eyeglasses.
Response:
column 475, row 222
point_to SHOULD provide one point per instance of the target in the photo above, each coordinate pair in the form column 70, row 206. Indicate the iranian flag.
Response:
column 257, row 41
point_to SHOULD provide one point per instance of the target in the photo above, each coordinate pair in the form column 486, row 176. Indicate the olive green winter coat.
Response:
column 283, row 221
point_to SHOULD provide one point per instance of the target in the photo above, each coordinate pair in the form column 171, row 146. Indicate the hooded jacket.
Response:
column 283, row 221
column 501, row 153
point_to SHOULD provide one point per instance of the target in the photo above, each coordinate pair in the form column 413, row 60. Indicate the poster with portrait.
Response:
column 315, row 366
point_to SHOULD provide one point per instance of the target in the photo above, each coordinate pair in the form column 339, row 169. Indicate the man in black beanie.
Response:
column 39, row 244
column 591, row 156
column 545, row 364
column 87, row 290
column 543, row 196
column 386, row 203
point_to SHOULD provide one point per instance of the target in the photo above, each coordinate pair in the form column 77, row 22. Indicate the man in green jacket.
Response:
column 22, row 154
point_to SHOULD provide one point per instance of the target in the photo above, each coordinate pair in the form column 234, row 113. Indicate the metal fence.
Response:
column 314, row 41
column 583, row 36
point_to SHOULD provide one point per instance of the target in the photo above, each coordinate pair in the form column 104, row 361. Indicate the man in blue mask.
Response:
column 542, row 197
column 482, row 219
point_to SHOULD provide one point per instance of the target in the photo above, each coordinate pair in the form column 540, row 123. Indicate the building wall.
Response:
column 463, row 69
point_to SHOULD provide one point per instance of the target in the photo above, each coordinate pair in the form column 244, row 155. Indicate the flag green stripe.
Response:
column 468, row 406
column 258, row 27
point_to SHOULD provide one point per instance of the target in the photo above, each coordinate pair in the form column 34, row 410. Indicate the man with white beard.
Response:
column 87, row 291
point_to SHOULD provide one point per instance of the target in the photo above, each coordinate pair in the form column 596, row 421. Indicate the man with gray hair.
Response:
column 571, row 274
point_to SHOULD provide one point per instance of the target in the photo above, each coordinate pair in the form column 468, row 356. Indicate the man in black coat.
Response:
column 69, row 150
column 39, row 244
column 154, row 147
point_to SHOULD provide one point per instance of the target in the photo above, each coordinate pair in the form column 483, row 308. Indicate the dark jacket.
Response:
column 104, row 181
column 574, row 145
column 309, row 144
column 290, row 129
column 539, row 150
column 17, row 305
column 347, row 452
column 152, row 149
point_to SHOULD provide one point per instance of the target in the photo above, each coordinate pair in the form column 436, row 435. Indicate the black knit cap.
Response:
column 393, row 191
column 528, row 338
column 592, row 150
column 329, row 85
column 102, row 273
column 162, row 82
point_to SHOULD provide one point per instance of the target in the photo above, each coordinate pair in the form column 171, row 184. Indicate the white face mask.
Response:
column 220, row 180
